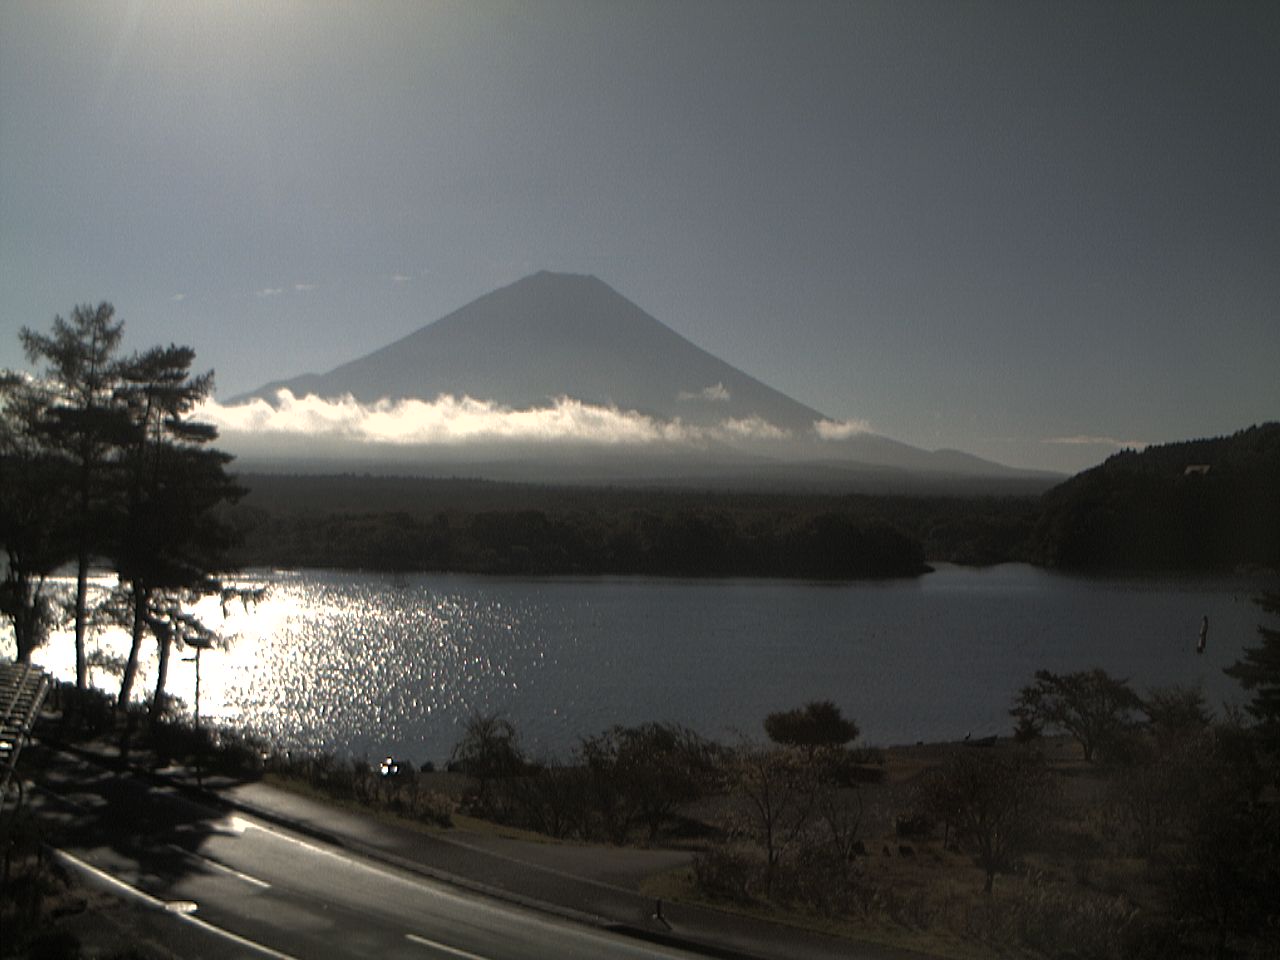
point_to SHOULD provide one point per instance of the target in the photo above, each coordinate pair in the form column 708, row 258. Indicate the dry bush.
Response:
column 725, row 874
column 432, row 807
column 1053, row 921
column 911, row 909
column 820, row 879
column 551, row 799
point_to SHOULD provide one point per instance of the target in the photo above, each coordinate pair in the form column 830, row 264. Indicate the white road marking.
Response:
column 159, row 904
column 414, row 882
column 442, row 947
column 241, row 825
column 208, row 861
column 614, row 945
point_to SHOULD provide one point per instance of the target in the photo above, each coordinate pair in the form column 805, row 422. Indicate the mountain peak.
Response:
column 559, row 275
column 556, row 280
column 551, row 335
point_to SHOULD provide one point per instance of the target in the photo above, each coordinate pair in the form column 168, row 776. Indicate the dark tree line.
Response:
column 687, row 543
column 1136, row 512
column 103, row 464
column 419, row 523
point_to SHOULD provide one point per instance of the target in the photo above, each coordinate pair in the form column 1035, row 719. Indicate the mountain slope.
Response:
column 553, row 335
column 558, row 334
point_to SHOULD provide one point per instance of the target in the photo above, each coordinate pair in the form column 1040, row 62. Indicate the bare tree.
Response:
column 775, row 786
column 992, row 799
column 489, row 750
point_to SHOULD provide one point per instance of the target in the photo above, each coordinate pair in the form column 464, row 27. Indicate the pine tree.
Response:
column 171, row 545
column 1259, row 672
column 83, row 420
column 36, row 483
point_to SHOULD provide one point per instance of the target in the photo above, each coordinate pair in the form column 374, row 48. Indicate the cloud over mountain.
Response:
column 451, row 420
column 557, row 335
column 716, row 393
column 553, row 362
column 841, row 429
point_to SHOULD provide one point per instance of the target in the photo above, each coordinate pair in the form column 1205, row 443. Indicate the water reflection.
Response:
column 372, row 665
column 369, row 663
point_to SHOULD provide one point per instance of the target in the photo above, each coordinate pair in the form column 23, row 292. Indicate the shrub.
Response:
column 1054, row 922
column 725, row 874
column 433, row 808
column 1175, row 712
column 822, row 878
column 551, row 799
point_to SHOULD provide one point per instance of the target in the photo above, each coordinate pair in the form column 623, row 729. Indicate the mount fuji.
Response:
column 559, row 376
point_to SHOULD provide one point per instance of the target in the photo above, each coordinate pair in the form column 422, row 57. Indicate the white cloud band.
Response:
column 450, row 420
column 716, row 393
column 840, row 429
column 1091, row 441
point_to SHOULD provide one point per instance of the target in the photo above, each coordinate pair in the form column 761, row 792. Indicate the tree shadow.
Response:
column 150, row 812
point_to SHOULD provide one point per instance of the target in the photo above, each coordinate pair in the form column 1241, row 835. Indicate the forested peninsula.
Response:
column 1200, row 505
column 1205, row 505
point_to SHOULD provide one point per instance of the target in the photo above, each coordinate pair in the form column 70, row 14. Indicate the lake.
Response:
column 370, row 665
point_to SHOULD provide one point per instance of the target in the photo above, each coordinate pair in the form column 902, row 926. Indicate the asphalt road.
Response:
column 227, row 886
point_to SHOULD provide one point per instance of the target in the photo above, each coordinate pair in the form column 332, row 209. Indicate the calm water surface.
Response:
column 368, row 664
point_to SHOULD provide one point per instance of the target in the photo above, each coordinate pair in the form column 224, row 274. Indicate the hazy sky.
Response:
column 991, row 226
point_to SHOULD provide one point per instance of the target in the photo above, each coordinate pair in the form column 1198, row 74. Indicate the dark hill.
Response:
column 1198, row 505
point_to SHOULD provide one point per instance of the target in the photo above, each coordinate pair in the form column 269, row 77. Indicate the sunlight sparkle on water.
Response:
column 363, row 664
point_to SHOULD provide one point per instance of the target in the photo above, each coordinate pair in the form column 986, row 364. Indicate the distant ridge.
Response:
column 555, row 335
